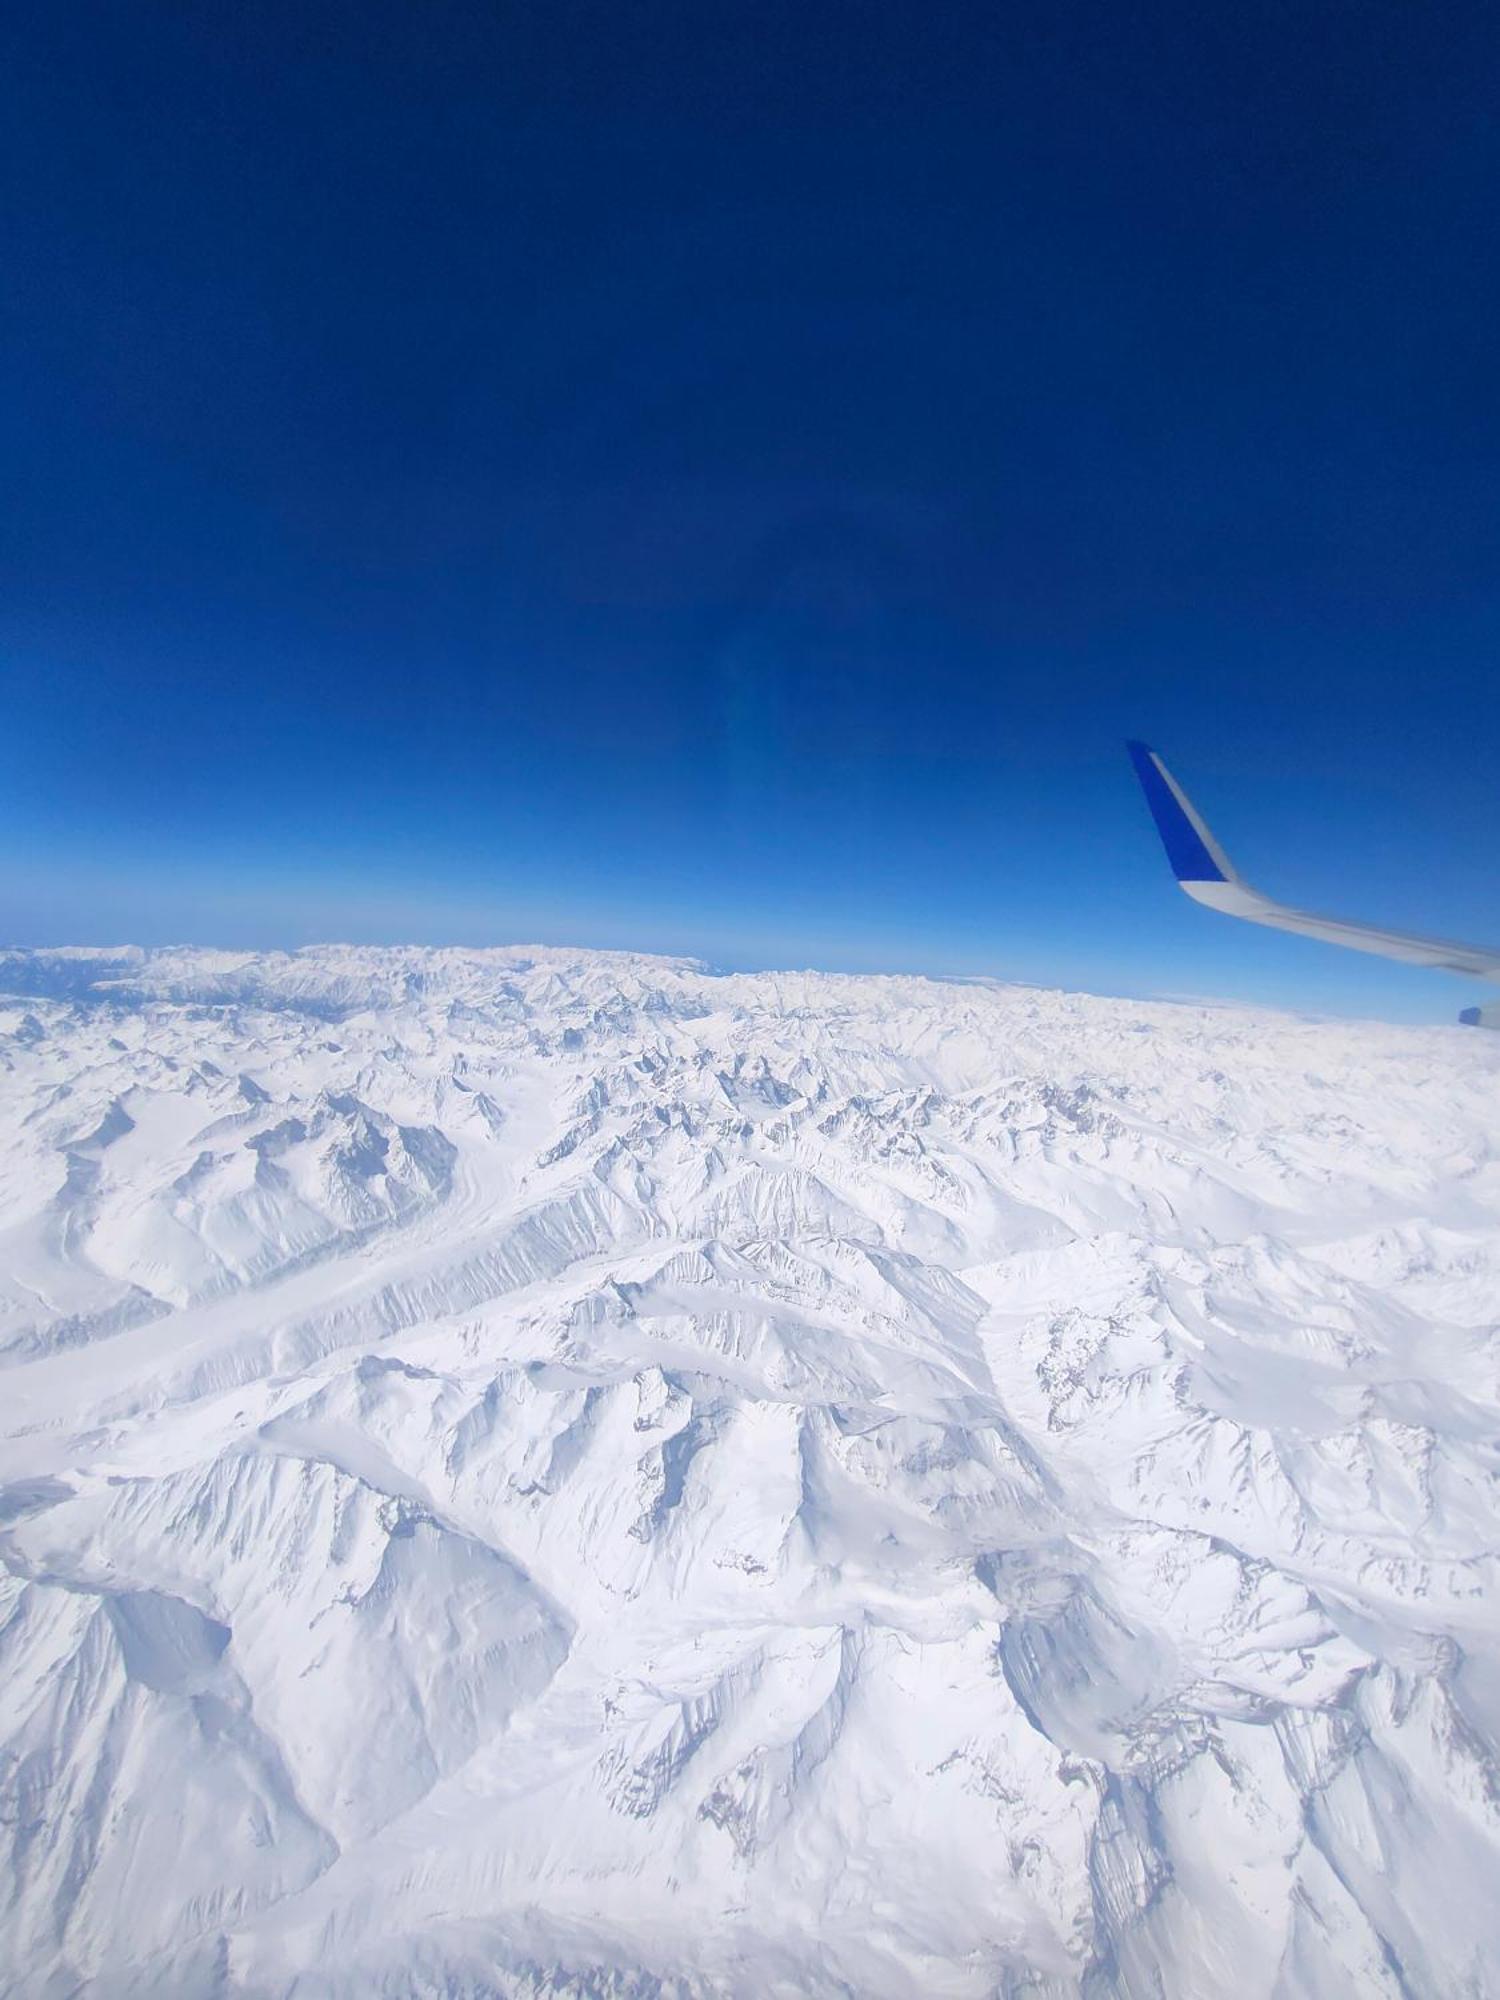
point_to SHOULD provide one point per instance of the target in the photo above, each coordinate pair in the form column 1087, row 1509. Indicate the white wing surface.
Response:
column 1206, row 873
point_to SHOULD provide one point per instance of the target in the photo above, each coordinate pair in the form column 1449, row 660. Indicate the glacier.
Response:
column 556, row 1472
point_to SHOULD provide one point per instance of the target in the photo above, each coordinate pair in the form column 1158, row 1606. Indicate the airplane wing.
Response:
column 1206, row 873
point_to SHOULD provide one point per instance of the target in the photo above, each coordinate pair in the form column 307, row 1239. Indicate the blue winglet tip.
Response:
column 1190, row 859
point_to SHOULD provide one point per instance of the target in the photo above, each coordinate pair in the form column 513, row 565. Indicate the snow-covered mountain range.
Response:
column 542, row 1472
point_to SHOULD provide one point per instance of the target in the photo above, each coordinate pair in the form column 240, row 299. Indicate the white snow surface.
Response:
column 540, row 1472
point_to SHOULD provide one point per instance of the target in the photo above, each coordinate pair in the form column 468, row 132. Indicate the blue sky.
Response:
column 729, row 480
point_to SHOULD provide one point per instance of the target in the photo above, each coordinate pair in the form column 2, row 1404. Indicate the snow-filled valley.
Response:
column 544, row 1472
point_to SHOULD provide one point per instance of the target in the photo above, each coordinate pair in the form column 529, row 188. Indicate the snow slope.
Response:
column 537, row 1472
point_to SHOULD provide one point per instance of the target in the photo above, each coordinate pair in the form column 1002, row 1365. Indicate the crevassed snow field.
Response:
column 542, row 1472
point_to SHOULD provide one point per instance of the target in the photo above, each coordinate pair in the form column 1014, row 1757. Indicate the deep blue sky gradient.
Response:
column 729, row 479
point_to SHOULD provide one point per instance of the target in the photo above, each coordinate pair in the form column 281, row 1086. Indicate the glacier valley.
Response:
column 531, row 1472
